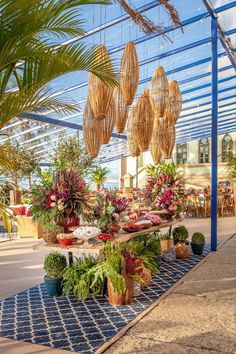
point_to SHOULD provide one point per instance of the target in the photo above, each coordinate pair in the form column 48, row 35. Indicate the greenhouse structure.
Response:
column 117, row 176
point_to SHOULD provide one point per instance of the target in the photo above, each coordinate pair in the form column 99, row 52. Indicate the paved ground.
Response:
column 199, row 316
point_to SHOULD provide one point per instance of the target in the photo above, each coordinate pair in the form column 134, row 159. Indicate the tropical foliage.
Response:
column 52, row 201
column 23, row 163
column 30, row 56
column 70, row 154
column 99, row 176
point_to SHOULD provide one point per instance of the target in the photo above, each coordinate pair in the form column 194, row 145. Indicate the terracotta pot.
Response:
column 166, row 245
column 50, row 237
column 146, row 278
column 71, row 220
column 182, row 250
column 116, row 299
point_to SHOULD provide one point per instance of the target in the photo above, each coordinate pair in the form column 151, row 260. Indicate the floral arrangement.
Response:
column 109, row 209
column 134, row 266
column 165, row 189
column 65, row 195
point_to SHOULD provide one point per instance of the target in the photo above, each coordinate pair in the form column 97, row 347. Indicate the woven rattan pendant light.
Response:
column 131, row 135
column 143, row 120
column 121, row 110
column 91, row 131
column 167, row 138
column 129, row 73
column 159, row 91
column 155, row 143
column 133, row 146
column 108, row 123
column 100, row 95
column 175, row 99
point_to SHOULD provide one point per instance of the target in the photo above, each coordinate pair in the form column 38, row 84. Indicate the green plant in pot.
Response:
column 54, row 265
column 180, row 234
column 198, row 242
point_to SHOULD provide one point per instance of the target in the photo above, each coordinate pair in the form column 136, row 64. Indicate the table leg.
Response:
column 70, row 256
column 170, row 230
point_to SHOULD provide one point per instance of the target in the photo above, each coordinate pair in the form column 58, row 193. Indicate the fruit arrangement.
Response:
column 131, row 226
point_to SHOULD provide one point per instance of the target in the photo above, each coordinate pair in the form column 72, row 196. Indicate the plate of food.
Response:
column 131, row 227
column 144, row 224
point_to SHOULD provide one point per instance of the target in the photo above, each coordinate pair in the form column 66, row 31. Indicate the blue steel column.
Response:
column 214, row 128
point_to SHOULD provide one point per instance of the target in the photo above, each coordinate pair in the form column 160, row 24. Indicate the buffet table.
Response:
column 97, row 248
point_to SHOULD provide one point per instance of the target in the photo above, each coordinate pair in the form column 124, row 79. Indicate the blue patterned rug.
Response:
column 64, row 323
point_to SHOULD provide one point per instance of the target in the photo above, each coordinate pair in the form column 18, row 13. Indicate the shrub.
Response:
column 198, row 238
column 180, row 233
column 165, row 237
column 54, row 264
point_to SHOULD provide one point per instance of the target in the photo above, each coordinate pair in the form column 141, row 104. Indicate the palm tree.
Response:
column 99, row 176
column 30, row 57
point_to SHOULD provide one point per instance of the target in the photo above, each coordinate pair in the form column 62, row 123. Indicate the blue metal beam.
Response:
column 201, row 119
column 208, row 94
column 214, row 134
column 201, row 87
column 224, row 38
column 61, row 123
column 207, row 110
column 207, row 103
column 206, row 124
column 202, row 76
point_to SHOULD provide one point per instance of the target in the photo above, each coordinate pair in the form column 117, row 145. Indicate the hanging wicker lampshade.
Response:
column 91, row 131
column 100, row 95
column 159, row 91
column 133, row 146
column 167, row 138
column 155, row 143
column 175, row 99
column 108, row 123
column 131, row 135
column 129, row 73
column 121, row 110
column 143, row 120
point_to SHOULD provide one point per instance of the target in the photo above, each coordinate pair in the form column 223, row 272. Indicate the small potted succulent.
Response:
column 197, row 244
column 180, row 234
column 54, row 264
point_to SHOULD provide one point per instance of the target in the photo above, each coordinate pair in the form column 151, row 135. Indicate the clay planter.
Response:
column 166, row 245
column 182, row 250
column 116, row 299
column 146, row 278
column 50, row 237
column 197, row 248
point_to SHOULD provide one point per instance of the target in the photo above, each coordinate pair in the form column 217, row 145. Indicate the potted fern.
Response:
column 54, row 264
column 198, row 243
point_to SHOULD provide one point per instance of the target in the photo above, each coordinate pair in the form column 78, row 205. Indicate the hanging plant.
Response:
column 175, row 99
column 129, row 73
column 155, row 143
column 108, row 123
column 91, row 131
column 145, row 24
column 121, row 110
column 159, row 91
column 143, row 120
column 100, row 95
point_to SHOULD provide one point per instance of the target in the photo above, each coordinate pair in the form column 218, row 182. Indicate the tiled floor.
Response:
column 83, row 326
